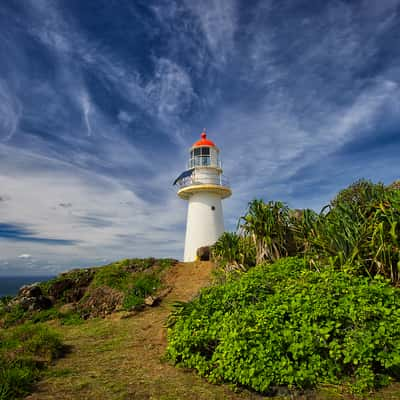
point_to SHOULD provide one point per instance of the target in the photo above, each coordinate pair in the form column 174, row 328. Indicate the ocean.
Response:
column 9, row 285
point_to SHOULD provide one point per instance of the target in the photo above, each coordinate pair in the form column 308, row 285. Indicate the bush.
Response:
column 283, row 324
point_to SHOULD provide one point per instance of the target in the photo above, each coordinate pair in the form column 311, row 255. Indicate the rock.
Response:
column 100, row 302
column 123, row 315
column 155, row 300
column 203, row 253
column 58, row 288
column 151, row 301
column 162, row 293
column 32, row 290
column 30, row 298
column 71, row 286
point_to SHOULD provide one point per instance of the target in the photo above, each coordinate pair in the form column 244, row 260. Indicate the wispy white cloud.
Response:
column 218, row 20
column 10, row 112
column 165, row 96
column 25, row 256
column 86, row 106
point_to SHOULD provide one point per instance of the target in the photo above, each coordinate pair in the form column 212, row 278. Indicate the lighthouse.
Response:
column 204, row 187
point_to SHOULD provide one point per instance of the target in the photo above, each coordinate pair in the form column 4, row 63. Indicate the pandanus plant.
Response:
column 360, row 231
column 233, row 252
column 303, row 225
column 268, row 226
column 382, row 251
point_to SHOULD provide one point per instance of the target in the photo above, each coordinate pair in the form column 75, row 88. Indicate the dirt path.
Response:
column 122, row 358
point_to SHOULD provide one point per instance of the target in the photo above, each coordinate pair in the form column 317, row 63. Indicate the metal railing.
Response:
column 192, row 180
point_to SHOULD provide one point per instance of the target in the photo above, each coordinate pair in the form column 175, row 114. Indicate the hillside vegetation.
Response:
column 330, row 315
column 28, row 346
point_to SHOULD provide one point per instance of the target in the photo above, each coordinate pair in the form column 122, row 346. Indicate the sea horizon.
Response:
column 10, row 284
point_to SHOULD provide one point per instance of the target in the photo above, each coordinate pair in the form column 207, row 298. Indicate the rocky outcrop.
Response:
column 71, row 286
column 101, row 302
column 203, row 253
column 31, row 298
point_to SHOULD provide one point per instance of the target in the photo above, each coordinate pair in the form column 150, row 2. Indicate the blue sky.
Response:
column 100, row 100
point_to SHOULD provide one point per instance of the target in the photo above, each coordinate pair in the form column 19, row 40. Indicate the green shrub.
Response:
column 166, row 262
column 284, row 324
column 360, row 232
column 14, row 315
column 360, row 195
column 15, row 380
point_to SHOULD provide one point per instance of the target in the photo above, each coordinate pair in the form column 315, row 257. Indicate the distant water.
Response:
column 9, row 285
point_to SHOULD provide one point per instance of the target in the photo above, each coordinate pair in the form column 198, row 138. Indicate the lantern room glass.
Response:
column 200, row 157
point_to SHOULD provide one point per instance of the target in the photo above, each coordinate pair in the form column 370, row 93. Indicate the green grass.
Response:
column 133, row 278
column 143, row 286
column 27, row 346
column 12, row 316
column 25, row 351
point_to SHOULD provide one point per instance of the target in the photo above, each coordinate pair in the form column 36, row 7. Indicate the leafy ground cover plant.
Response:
column 25, row 351
column 285, row 325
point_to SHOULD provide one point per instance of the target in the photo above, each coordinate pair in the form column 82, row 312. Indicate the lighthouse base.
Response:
column 205, row 222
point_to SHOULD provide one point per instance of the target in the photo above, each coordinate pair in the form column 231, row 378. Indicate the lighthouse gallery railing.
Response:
column 192, row 180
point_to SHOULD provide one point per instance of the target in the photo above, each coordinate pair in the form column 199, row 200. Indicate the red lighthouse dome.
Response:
column 204, row 141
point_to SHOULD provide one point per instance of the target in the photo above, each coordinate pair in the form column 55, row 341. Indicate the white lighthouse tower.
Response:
column 204, row 187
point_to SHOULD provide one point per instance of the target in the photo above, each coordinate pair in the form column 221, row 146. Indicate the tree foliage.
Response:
column 358, row 231
column 267, row 224
column 233, row 252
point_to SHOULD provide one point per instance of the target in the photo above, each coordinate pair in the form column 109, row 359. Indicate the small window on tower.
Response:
column 197, row 151
column 205, row 151
column 213, row 208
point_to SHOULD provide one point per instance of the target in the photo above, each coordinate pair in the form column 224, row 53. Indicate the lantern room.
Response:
column 204, row 153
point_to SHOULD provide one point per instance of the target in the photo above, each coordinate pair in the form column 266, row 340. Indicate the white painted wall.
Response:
column 203, row 226
column 206, row 175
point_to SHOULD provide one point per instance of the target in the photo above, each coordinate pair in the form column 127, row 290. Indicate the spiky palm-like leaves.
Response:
column 267, row 224
column 303, row 229
column 232, row 251
column 358, row 231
